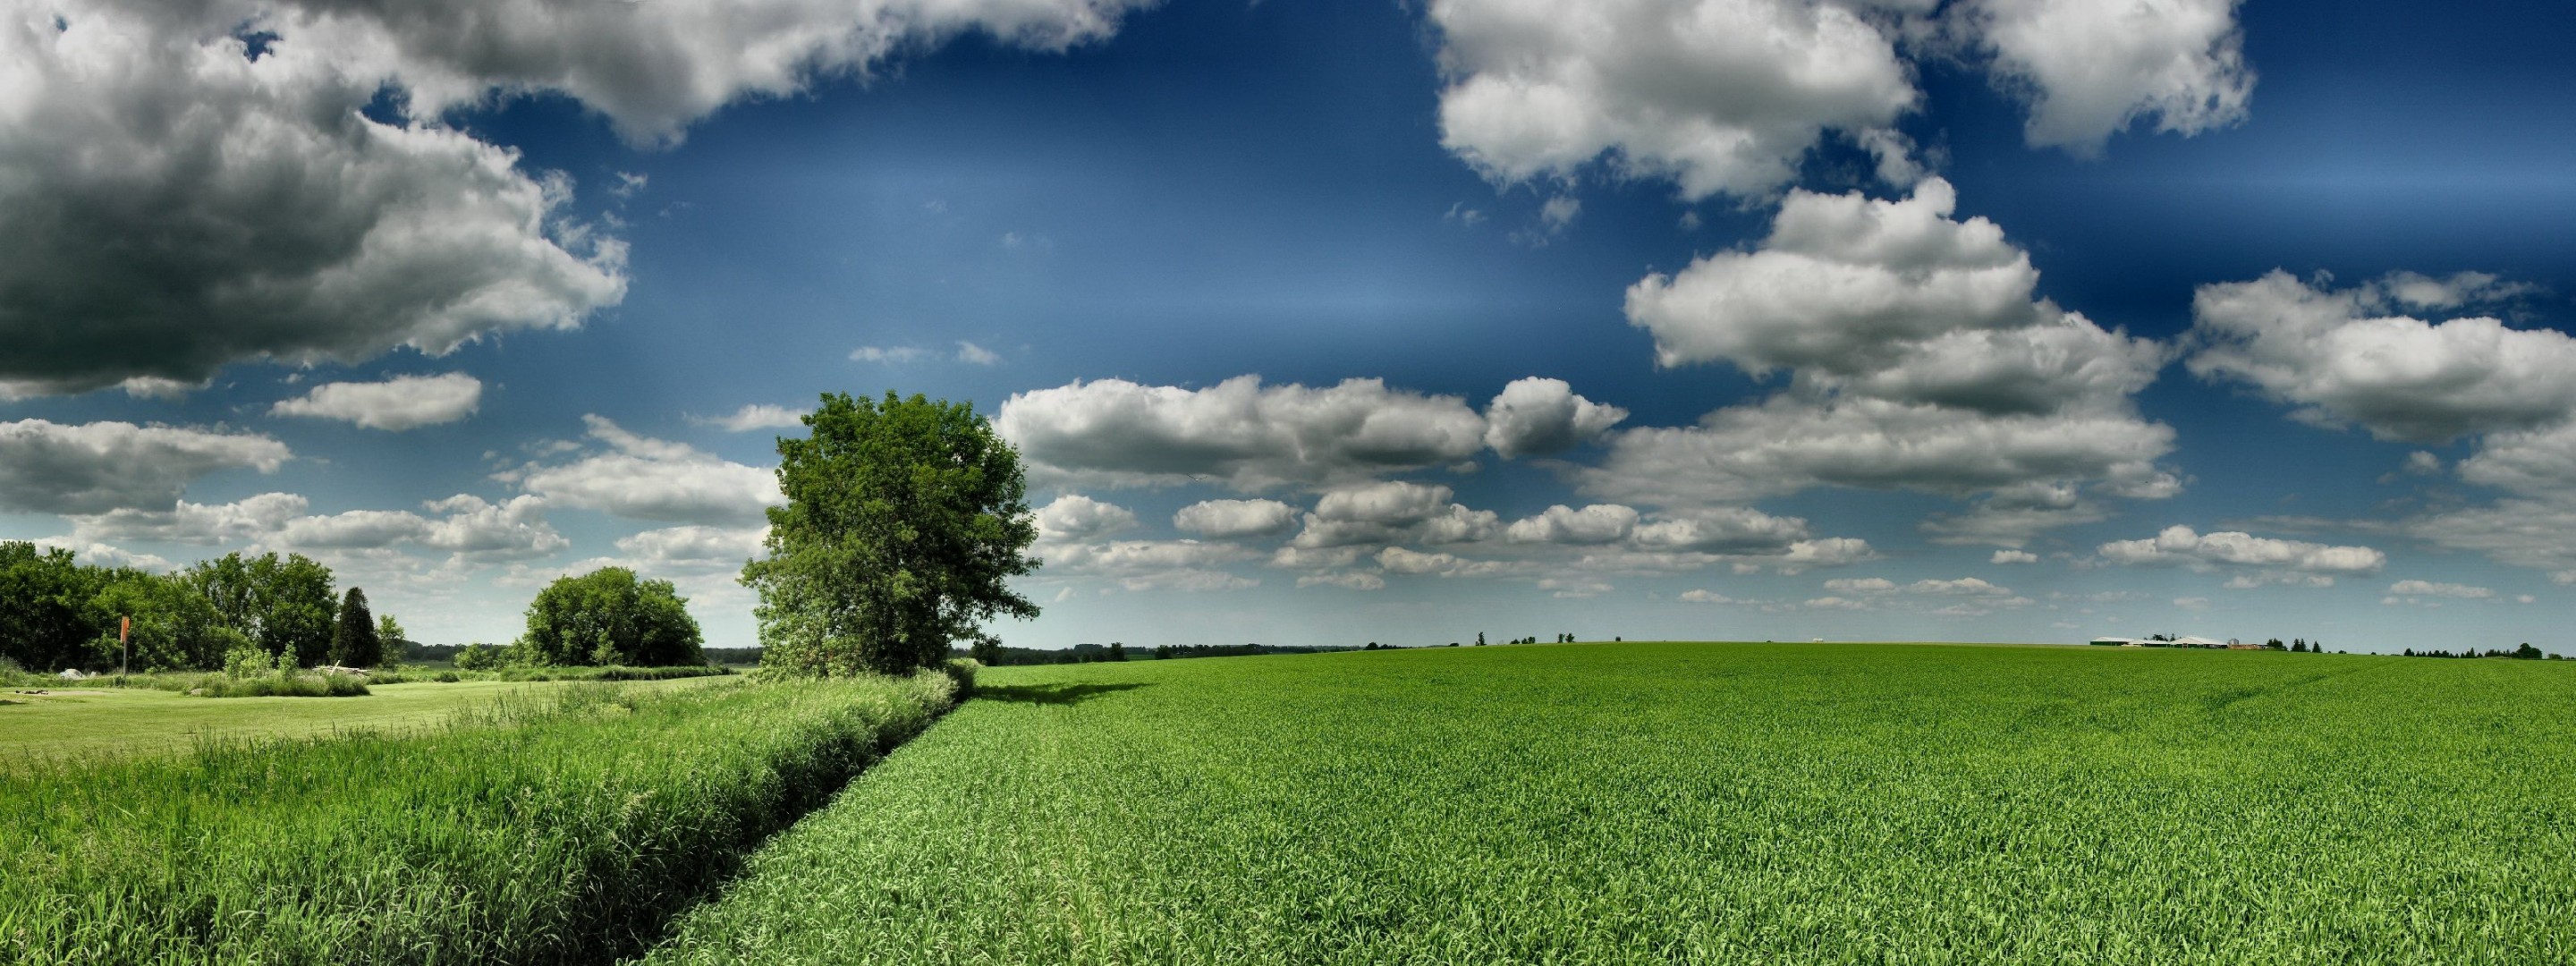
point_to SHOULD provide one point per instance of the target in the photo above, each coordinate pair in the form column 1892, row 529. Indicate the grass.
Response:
column 1698, row 803
column 77, row 721
column 554, row 831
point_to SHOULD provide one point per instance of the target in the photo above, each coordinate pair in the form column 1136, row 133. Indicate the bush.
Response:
column 476, row 657
column 609, row 616
column 280, row 686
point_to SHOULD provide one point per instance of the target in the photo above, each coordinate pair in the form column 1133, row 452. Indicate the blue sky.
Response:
column 1988, row 319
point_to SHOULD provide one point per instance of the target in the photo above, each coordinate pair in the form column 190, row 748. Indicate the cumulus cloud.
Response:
column 178, row 199
column 703, row 545
column 1918, row 358
column 468, row 527
column 972, row 354
column 1238, row 433
column 894, row 354
column 1398, row 560
column 1078, row 517
column 2180, row 545
column 756, row 416
column 1720, row 95
column 1392, row 511
column 1346, row 581
column 396, row 404
column 2014, row 557
column 641, row 478
column 1227, row 519
column 1188, row 565
column 101, row 555
column 2343, row 358
column 2090, row 68
column 1539, row 417
column 92, row 468
column 2426, row 588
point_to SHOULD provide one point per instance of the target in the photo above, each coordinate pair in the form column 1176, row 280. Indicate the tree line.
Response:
column 58, row 613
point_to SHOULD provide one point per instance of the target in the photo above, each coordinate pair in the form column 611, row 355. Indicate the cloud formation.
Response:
column 469, row 527
column 756, row 416
column 641, row 478
column 1237, row 433
column 1918, row 358
column 179, row 198
column 2089, row 69
column 1228, row 519
column 2181, row 546
column 1719, row 95
column 396, row 404
column 1535, row 416
column 91, row 468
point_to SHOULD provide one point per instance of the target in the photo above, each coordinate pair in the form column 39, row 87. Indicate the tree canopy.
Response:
column 904, row 519
column 354, row 641
column 609, row 616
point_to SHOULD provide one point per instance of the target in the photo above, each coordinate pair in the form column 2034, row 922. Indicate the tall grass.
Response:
column 280, row 686
column 531, row 830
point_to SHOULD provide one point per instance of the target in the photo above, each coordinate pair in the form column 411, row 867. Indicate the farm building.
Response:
column 2114, row 641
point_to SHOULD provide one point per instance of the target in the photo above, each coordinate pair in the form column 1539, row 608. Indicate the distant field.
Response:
column 1699, row 803
column 73, row 721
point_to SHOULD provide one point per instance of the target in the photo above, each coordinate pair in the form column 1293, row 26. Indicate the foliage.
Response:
column 354, row 642
column 904, row 517
column 608, row 616
column 280, row 686
column 392, row 643
column 1699, row 804
column 173, row 627
column 560, row 831
column 44, row 624
column 286, row 604
column 480, row 657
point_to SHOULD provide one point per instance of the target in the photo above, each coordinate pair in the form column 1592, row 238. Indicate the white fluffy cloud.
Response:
column 1720, row 95
column 396, row 404
column 1538, row 417
column 1919, row 358
column 2091, row 68
column 469, row 527
column 2014, row 557
column 1227, row 519
column 1238, row 433
column 649, row 479
column 1389, row 512
column 2182, row 546
column 92, row 468
column 178, row 199
column 2344, row 358
column 1189, row 565
column 1077, row 517
column 712, row 546
column 756, row 416
column 1398, row 560
column 2426, row 588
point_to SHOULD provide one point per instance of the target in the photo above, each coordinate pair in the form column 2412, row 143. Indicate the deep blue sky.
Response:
column 1221, row 189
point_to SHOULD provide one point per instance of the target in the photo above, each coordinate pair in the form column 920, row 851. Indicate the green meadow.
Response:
column 1703, row 803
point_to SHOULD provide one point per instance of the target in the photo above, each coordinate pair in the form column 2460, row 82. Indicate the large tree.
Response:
column 904, row 517
column 286, row 604
column 354, row 642
column 608, row 616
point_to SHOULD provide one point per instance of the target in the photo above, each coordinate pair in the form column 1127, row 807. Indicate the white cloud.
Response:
column 396, row 404
column 1392, row 512
column 641, row 478
column 469, row 527
column 1564, row 588
column 1188, row 565
column 972, row 354
column 756, row 416
column 2426, row 588
column 702, row 545
column 101, row 555
column 1227, row 519
column 1078, row 517
column 2015, row 557
column 1698, row 596
column 1538, row 417
column 1919, row 358
column 2181, row 546
column 92, row 468
column 2340, row 360
column 1837, row 603
column 1398, row 560
column 1720, row 95
column 2192, row 603
column 2091, row 68
column 1861, row 585
column 1238, row 433
column 1596, row 524
column 896, row 354
column 1346, row 581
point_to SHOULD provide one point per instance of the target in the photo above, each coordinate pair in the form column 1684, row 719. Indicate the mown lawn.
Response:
column 72, row 721
column 1711, row 803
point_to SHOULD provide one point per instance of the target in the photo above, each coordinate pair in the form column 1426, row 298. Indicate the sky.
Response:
column 1330, row 323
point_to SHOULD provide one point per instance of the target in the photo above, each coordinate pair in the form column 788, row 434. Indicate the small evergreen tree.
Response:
column 1480, row 638
column 354, row 639
column 1117, row 651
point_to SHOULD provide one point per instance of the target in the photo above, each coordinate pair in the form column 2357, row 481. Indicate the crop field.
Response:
column 548, row 825
column 1709, row 803
column 71, row 721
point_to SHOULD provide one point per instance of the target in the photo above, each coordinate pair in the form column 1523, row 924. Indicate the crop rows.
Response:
column 562, row 830
column 1699, row 803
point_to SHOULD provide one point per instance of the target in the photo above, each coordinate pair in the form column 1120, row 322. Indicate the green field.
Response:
column 73, row 721
column 1699, row 803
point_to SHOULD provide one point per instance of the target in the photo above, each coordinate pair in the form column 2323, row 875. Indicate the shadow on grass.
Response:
column 1052, row 693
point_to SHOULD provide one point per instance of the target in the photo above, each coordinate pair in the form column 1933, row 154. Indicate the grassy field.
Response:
column 72, row 721
column 552, row 825
column 1699, row 803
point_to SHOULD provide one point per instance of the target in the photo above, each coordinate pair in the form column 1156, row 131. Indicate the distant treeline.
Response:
column 57, row 613
column 2524, row 653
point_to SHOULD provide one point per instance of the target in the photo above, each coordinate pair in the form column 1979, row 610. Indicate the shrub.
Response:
column 280, row 686
column 609, row 616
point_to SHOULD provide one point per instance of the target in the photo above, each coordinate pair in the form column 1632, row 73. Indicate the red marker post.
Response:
column 125, row 652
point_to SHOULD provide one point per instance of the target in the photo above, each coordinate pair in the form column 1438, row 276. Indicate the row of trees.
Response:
column 2526, row 653
column 56, row 612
